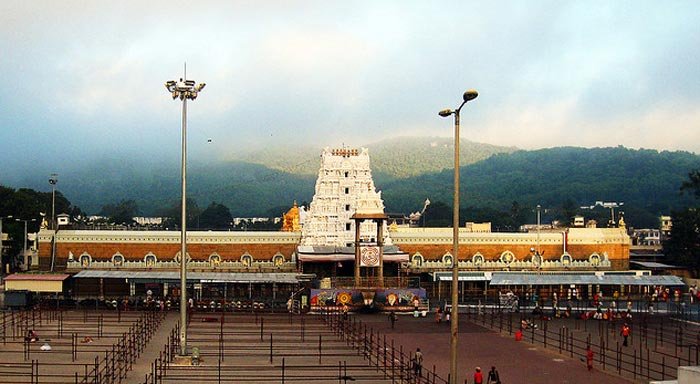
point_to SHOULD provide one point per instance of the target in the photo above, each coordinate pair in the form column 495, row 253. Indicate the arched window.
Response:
column 247, row 260
column 447, row 259
column 85, row 260
column 278, row 260
column 150, row 259
column 214, row 260
column 117, row 259
column 417, row 260
column 478, row 259
column 566, row 259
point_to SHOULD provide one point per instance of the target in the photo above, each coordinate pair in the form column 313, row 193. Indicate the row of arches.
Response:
column 150, row 259
column 507, row 258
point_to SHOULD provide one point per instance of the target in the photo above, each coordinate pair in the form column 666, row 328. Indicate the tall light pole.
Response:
column 53, row 180
column 184, row 90
column 1, row 245
column 454, row 324
column 24, row 246
column 539, row 209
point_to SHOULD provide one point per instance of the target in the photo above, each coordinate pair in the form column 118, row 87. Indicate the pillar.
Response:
column 357, row 253
column 380, row 244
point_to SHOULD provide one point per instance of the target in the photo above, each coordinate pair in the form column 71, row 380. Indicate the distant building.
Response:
column 646, row 237
column 148, row 221
column 63, row 219
column 478, row 227
column 240, row 220
column 666, row 225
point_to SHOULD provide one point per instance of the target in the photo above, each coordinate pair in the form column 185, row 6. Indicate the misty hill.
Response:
column 407, row 171
column 399, row 157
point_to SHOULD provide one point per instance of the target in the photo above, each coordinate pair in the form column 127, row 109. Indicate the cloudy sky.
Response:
column 84, row 79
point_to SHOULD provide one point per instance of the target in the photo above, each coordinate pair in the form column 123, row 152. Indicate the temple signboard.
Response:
column 369, row 256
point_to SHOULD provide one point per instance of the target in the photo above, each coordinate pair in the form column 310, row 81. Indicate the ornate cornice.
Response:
column 166, row 237
column 574, row 236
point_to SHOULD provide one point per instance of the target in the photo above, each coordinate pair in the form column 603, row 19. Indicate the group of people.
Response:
column 33, row 337
column 439, row 315
column 492, row 377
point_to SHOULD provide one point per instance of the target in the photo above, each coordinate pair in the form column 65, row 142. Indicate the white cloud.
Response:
column 549, row 73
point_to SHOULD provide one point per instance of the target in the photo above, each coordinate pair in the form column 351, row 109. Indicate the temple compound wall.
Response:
column 235, row 251
column 428, row 249
column 570, row 249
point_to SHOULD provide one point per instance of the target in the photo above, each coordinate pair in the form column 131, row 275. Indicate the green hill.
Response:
column 647, row 181
column 407, row 170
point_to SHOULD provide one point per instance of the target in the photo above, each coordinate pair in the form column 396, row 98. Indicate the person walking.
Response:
column 492, row 377
column 418, row 363
column 625, row 332
column 478, row 377
column 392, row 318
column 589, row 358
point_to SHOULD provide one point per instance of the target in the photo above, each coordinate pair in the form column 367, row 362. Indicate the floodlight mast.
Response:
column 184, row 90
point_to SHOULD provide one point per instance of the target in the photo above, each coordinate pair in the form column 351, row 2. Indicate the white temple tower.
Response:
column 344, row 185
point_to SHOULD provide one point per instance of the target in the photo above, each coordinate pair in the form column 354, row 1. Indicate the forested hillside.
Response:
column 503, row 186
column 646, row 181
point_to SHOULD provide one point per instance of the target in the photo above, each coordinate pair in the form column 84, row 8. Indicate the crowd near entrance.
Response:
column 164, row 294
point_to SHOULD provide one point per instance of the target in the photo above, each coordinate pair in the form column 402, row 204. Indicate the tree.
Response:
column 517, row 216
column 569, row 210
column 683, row 245
column 438, row 214
column 26, row 204
column 174, row 214
column 122, row 213
column 693, row 184
column 215, row 216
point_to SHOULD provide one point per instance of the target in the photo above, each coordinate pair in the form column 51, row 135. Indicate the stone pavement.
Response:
column 142, row 366
column 517, row 362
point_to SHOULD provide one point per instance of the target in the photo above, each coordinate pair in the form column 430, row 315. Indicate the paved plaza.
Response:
column 263, row 347
column 516, row 361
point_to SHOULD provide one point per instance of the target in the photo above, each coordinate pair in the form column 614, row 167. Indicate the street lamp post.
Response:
column 24, row 246
column 184, row 90
column 454, row 324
